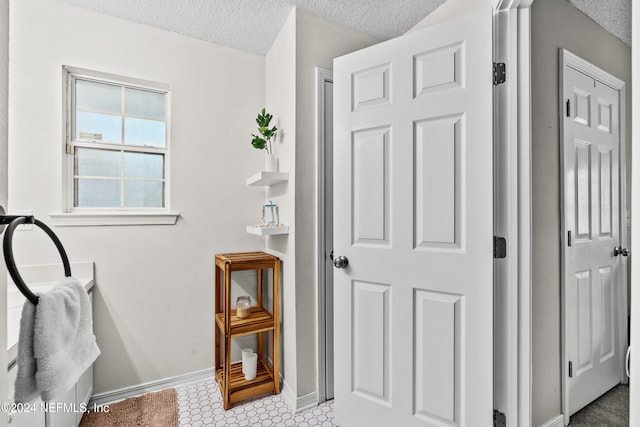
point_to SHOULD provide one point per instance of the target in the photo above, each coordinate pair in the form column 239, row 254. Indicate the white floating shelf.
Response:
column 264, row 178
column 267, row 231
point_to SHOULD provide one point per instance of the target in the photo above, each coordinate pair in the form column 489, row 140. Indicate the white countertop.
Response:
column 39, row 278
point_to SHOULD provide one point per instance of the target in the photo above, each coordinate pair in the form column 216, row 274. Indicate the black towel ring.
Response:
column 11, row 264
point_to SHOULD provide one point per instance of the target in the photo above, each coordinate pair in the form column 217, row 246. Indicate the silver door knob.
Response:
column 619, row 250
column 627, row 362
column 341, row 262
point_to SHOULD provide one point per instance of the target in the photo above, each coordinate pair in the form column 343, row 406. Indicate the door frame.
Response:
column 512, row 213
column 569, row 59
column 634, row 392
column 322, row 76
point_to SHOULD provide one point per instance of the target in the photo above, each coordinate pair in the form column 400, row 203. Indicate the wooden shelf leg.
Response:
column 260, row 304
column 217, row 299
column 276, row 329
column 227, row 338
column 259, row 271
column 226, row 378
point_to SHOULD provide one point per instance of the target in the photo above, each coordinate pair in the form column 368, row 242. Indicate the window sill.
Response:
column 73, row 219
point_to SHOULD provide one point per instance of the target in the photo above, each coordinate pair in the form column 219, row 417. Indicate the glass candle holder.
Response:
column 270, row 214
column 243, row 307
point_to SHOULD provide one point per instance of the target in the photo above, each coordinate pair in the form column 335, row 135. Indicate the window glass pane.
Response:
column 144, row 132
column 108, row 112
column 143, row 103
column 143, row 194
column 98, row 127
column 142, row 165
column 101, row 97
column 89, row 162
column 97, row 193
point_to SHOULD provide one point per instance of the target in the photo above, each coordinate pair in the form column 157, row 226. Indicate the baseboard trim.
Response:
column 307, row 401
column 289, row 397
column 557, row 421
column 124, row 393
column 298, row 404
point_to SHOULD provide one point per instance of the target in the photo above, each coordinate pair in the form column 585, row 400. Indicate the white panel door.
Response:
column 413, row 216
column 592, row 271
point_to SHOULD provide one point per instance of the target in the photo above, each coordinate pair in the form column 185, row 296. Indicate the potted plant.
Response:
column 263, row 141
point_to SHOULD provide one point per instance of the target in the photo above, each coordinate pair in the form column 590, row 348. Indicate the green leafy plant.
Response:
column 264, row 142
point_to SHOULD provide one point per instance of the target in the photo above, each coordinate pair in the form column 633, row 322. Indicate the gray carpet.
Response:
column 610, row 410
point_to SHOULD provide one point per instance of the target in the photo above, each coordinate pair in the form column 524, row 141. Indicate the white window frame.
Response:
column 71, row 215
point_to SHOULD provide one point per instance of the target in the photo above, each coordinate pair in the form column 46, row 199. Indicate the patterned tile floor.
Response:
column 200, row 405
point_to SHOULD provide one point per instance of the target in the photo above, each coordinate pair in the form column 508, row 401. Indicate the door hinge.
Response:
column 569, row 238
column 499, row 247
column 69, row 149
column 570, row 369
column 499, row 419
column 568, row 108
column 499, row 73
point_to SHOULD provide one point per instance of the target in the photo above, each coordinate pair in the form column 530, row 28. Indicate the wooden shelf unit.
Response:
column 233, row 386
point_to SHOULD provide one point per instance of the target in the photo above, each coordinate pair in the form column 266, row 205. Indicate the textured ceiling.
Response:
column 252, row 25
column 613, row 15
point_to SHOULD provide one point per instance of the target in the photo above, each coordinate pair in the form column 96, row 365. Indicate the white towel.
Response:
column 56, row 342
column 26, row 389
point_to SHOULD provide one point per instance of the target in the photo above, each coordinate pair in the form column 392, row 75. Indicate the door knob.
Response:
column 619, row 250
column 627, row 361
column 341, row 262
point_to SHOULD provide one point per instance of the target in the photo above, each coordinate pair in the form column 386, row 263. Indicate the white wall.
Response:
column 318, row 42
column 305, row 41
column 280, row 71
column 4, row 86
column 154, row 296
column 4, row 95
column 557, row 24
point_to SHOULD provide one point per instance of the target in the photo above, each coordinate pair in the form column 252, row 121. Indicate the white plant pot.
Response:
column 271, row 163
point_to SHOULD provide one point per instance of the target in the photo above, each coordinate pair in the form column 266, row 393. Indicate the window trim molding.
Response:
column 71, row 219
column 100, row 216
